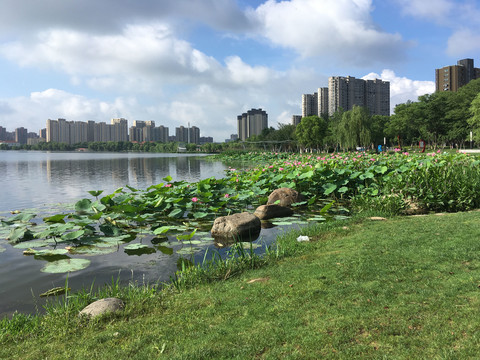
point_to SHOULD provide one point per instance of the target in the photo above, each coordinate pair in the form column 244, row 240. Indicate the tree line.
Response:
column 440, row 119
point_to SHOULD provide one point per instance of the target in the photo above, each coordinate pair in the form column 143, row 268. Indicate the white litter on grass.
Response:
column 303, row 238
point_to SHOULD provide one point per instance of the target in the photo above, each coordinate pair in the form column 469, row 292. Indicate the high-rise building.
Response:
column 296, row 119
column 3, row 133
column 21, row 135
column 251, row 123
column 120, row 129
column 322, row 101
column 181, row 134
column 194, row 135
column 453, row 77
column 347, row 92
column 309, row 104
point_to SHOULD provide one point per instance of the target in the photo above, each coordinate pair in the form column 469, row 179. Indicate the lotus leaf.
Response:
column 248, row 245
column 279, row 223
column 92, row 250
column 65, row 265
column 135, row 246
column 188, row 250
column 46, row 252
column 34, row 244
column 2, row 249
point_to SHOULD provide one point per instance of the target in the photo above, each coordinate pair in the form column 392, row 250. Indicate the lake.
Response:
column 46, row 181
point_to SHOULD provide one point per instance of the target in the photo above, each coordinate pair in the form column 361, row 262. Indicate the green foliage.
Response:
column 311, row 132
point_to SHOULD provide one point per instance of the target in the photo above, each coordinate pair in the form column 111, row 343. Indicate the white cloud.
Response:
column 436, row 10
column 18, row 18
column 342, row 30
column 242, row 73
column 137, row 59
column 402, row 89
column 463, row 43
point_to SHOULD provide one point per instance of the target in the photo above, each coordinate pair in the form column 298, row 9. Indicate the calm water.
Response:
column 43, row 180
column 31, row 179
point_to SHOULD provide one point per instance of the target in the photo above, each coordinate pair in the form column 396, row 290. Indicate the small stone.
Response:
column 302, row 238
column 378, row 218
column 102, row 306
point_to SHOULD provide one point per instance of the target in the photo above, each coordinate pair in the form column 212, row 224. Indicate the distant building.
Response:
column 251, row 123
column 205, row 140
column 35, row 141
column 181, row 134
column 3, row 133
column 453, row 77
column 309, row 104
column 345, row 93
column 74, row 132
column 296, row 119
column 21, row 135
column 233, row 137
column 189, row 135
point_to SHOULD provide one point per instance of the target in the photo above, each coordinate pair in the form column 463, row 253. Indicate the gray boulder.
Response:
column 284, row 197
column 265, row 212
column 237, row 226
column 102, row 306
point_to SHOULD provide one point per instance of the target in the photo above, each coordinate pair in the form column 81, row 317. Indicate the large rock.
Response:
column 284, row 196
column 102, row 306
column 237, row 226
column 265, row 212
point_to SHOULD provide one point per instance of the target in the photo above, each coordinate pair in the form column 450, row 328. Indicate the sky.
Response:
column 206, row 62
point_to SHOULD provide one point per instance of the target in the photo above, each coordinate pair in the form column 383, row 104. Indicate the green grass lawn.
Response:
column 404, row 288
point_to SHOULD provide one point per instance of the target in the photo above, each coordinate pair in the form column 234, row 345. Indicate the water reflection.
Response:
column 39, row 179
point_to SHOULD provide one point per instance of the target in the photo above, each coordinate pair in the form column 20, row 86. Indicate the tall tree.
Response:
column 311, row 132
column 354, row 128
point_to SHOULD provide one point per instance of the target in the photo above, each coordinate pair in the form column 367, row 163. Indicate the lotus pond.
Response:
column 147, row 234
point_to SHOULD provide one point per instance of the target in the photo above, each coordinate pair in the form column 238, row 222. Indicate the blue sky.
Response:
column 205, row 62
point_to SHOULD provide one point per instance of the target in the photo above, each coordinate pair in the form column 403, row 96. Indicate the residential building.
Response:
column 181, row 134
column 296, row 119
column 309, row 104
column 347, row 92
column 21, row 135
column 453, row 77
column 120, row 129
column 3, row 133
column 251, row 123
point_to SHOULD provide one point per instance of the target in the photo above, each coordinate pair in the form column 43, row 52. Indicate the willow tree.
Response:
column 354, row 128
column 474, row 121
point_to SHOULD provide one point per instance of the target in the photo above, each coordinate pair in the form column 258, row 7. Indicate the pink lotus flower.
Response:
column 168, row 185
column 194, row 199
column 226, row 196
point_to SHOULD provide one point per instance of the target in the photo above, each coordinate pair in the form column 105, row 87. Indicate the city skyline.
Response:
column 75, row 132
column 211, row 60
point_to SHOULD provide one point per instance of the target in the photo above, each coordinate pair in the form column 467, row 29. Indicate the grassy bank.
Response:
column 406, row 287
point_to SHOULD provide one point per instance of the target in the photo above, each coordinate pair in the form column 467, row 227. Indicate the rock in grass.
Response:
column 102, row 306
column 284, row 197
column 264, row 212
column 237, row 226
